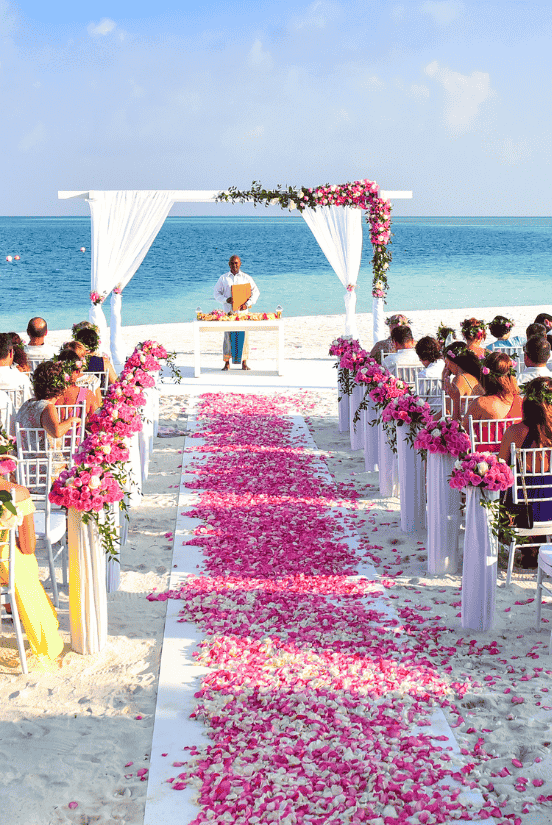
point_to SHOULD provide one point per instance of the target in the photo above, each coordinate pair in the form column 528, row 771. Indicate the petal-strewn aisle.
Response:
column 319, row 697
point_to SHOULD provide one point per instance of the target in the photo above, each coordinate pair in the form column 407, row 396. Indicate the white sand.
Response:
column 68, row 733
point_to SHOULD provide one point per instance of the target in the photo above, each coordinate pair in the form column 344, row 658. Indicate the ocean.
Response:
column 438, row 263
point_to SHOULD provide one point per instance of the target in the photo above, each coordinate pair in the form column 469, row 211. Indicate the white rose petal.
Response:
column 482, row 467
column 436, row 433
column 458, row 465
column 94, row 483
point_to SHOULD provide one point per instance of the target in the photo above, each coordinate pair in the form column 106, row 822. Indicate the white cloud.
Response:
column 443, row 12
column 464, row 94
column 398, row 14
column 105, row 26
column 258, row 58
column 32, row 139
column 419, row 91
column 512, row 153
column 317, row 15
column 256, row 133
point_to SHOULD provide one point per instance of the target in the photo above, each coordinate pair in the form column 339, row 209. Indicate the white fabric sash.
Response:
column 480, row 564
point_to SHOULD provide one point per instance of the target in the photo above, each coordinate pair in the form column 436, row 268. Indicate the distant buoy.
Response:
column 16, row 258
column 9, row 258
column 83, row 249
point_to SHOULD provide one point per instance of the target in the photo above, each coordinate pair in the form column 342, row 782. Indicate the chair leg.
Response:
column 539, row 597
column 19, row 636
column 52, row 571
column 510, row 562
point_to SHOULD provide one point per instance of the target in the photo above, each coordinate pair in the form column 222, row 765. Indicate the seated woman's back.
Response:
column 501, row 397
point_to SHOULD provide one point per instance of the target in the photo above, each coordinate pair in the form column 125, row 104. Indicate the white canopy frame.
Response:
column 126, row 222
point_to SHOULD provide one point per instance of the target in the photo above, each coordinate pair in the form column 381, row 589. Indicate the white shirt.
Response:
column 12, row 379
column 36, row 351
column 533, row 372
column 402, row 358
column 223, row 288
column 433, row 370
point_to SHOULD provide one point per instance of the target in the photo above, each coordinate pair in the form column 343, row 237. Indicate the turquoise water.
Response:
column 438, row 263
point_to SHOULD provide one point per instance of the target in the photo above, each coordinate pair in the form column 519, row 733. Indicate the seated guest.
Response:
column 37, row 330
column 428, row 351
column 545, row 319
column 88, row 336
column 501, row 327
column 48, row 383
column 73, row 394
column 501, row 397
column 462, row 374
column 474, row 333
column 405, row 353
column 387, row 344
column 535, row 329
column 20, row 360
column 36, row 612
column 534, row 430
column 11, row 378
column 445, row 334
column 536, row 355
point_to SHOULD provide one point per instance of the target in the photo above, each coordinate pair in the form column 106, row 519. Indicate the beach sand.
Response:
column 69, row 732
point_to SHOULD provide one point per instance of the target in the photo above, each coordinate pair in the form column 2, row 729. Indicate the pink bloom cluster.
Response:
column 359, row 193
column 7, row 465
column 445, row 437
column 154, row 348
column 370, row 372
column 118, row 417
column 86, row 487
column 407, row 408
column 102, row 448
column 385, row 390
column 343, row 344
column 143, row 360
column 96, row 298
column 483, row 470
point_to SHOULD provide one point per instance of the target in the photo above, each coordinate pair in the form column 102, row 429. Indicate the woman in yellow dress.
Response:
column 37, row 614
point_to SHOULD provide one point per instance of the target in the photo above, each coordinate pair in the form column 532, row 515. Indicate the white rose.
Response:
column 94, row 483
column 334, row 187
column 106, row 449
column 458, row 465
column 436, row 433
column 482, row 467
column 385, row 266
column 420, row 402
column 292, row 206
column 274, row 201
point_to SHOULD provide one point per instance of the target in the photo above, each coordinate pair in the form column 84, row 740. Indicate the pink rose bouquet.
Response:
column 96, row 298
column 7, row 453
column 445, row 437
column 391, row 387
column 370, row 372
column 118, row 418
column 343, row 344
column 86, row 488
column 407, row 409
column 102, row 448
column 483, row 470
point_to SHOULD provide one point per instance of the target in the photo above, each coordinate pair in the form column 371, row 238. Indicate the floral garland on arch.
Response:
column 96, row 480
column 360, row 194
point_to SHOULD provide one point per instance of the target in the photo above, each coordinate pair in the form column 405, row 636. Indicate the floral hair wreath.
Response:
column 472, row 331
column 398, row 321
column 486, row 370
column 443, row 332
column 84, row 325
column 540, row 393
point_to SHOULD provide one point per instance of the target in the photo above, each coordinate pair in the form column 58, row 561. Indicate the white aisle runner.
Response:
column 180, row 676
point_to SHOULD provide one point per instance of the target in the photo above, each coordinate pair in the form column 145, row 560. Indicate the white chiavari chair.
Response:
column 7, row 596
column 50, row 524
column 536, row 464
column 465, row 401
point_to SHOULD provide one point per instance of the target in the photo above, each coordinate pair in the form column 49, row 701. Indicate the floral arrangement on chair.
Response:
column 444, row 437
column 405, row 409
column 485, row 471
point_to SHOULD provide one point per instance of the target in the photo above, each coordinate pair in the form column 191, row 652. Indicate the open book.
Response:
column 240, row 294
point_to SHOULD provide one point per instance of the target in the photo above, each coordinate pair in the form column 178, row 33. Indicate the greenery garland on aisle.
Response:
column 360, row 194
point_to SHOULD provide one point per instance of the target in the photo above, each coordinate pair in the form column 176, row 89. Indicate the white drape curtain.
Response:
column 124, row 226
column 338, row 230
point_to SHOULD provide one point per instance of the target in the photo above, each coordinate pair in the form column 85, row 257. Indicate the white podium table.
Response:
column 237, row 326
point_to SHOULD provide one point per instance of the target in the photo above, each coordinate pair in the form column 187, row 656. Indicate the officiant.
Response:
column 236, row 344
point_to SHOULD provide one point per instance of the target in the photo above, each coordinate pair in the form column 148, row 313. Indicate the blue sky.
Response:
column 450, row 99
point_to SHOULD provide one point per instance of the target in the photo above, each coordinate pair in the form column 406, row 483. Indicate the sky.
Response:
column 448, row 99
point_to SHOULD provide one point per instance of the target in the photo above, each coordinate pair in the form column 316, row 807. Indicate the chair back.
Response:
column 36, row 475
column 66, row 411
column 35, row 360
column 535, row 461
column 431, row 390
column 407, row 374
column 103, row 378
column 465, row 401
column 33, row 442
column 486, row 434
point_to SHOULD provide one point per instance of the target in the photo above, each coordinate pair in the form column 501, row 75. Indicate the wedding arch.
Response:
column 125, row 223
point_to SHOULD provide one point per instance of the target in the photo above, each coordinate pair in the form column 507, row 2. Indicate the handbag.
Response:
column 521, row 515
